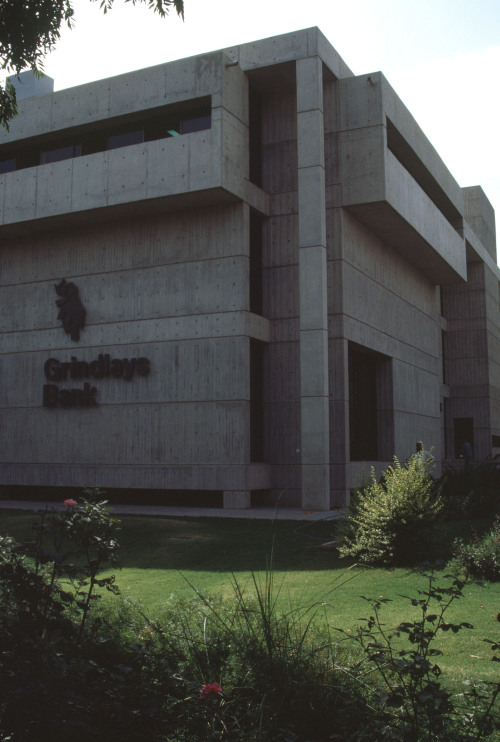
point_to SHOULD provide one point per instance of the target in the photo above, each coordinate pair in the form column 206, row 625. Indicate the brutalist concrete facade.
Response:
column 279, row 282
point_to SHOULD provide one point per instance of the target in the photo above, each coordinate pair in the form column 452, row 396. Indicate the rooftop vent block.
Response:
column 27, row 85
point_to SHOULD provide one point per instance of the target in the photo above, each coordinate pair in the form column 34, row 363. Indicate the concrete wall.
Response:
column 472, row 345
column 176, row 169
column 401, row 198
column 388, row 308
column 173, row 290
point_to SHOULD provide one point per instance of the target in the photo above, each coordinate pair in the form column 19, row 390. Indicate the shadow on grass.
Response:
column 219, row 545
column 227, row 544
column 212, row 544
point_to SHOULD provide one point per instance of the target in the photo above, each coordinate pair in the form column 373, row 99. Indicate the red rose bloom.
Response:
column 209, row 690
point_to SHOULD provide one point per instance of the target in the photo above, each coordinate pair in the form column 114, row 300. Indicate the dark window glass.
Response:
column 363, row 428
column 96, row 141
column 27, row 158
column 197, row 123
column 495, row 441
column 125, row 139
column 59, row 153
column 443, row 356
column 157, row 126
column 447, row 429
column 7, row 166
column 256, row 400
column 255, row 133
column 463, row 432
column 255, row 264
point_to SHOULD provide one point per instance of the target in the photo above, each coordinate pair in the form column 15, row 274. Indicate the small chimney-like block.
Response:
column 28, row 85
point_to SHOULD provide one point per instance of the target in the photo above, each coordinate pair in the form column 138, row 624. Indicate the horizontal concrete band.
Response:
column 215, row 477
column 162, row 329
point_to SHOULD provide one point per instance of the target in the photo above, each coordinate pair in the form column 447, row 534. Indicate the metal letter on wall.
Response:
column 71, row 310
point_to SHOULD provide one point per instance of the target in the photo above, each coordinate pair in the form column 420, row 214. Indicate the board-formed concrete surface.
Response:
column 281, row 284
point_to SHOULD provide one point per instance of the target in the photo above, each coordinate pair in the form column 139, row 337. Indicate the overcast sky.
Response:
column 441, row 56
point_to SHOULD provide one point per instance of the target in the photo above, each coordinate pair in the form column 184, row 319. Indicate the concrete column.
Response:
column 313, row 287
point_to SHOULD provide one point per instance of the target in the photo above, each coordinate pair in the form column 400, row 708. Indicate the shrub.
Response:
column 481, row 557
column 211, row 669
column 388, row 519
column 61, row 677
column 279, row 676
column 410, row 697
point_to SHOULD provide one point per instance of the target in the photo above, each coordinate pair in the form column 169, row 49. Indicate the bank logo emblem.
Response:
column 71, row 310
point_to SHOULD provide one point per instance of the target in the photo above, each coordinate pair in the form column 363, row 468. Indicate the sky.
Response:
column 441, row 56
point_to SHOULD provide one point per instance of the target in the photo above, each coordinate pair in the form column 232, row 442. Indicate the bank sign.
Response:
column 103, row 367
column 72, row 315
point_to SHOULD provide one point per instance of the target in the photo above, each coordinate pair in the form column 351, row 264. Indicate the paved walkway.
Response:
column 189, row 512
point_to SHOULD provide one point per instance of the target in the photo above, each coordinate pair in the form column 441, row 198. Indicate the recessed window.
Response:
column 371, row 408
column 443, row 356
column 197, row 123
column 125, row 139
column 463, row 432
column 255, row 137
column 7, row 166
column 169, row 121
column 257, row 350
column 60, row 153
column 363, row 427
column 403, row 152
column 255, row 264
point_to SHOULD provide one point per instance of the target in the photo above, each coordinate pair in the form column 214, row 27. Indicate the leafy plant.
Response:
column 412, row 702
column 279, row 676
column 388, row 519
column 57, row 663
column 246, row 669
column 71, row 548
column 481, row 557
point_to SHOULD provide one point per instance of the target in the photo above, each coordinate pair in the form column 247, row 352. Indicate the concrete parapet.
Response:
column 480, row 215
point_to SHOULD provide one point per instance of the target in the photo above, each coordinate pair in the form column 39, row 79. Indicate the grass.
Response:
column 163, row 556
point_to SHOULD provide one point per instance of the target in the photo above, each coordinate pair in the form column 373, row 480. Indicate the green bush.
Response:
column 481, row 557
column 410, row 696
column 61, row 676
column 388, row 520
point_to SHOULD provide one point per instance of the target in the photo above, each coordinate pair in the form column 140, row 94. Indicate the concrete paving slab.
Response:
column 191, row 512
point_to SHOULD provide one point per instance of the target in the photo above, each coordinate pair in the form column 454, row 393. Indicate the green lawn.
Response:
column 163, row 556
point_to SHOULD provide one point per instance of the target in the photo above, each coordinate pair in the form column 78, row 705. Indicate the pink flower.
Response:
column 70, row 503
column 209, row 690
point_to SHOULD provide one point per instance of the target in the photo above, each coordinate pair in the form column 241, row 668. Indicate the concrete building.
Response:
column 245, row 273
